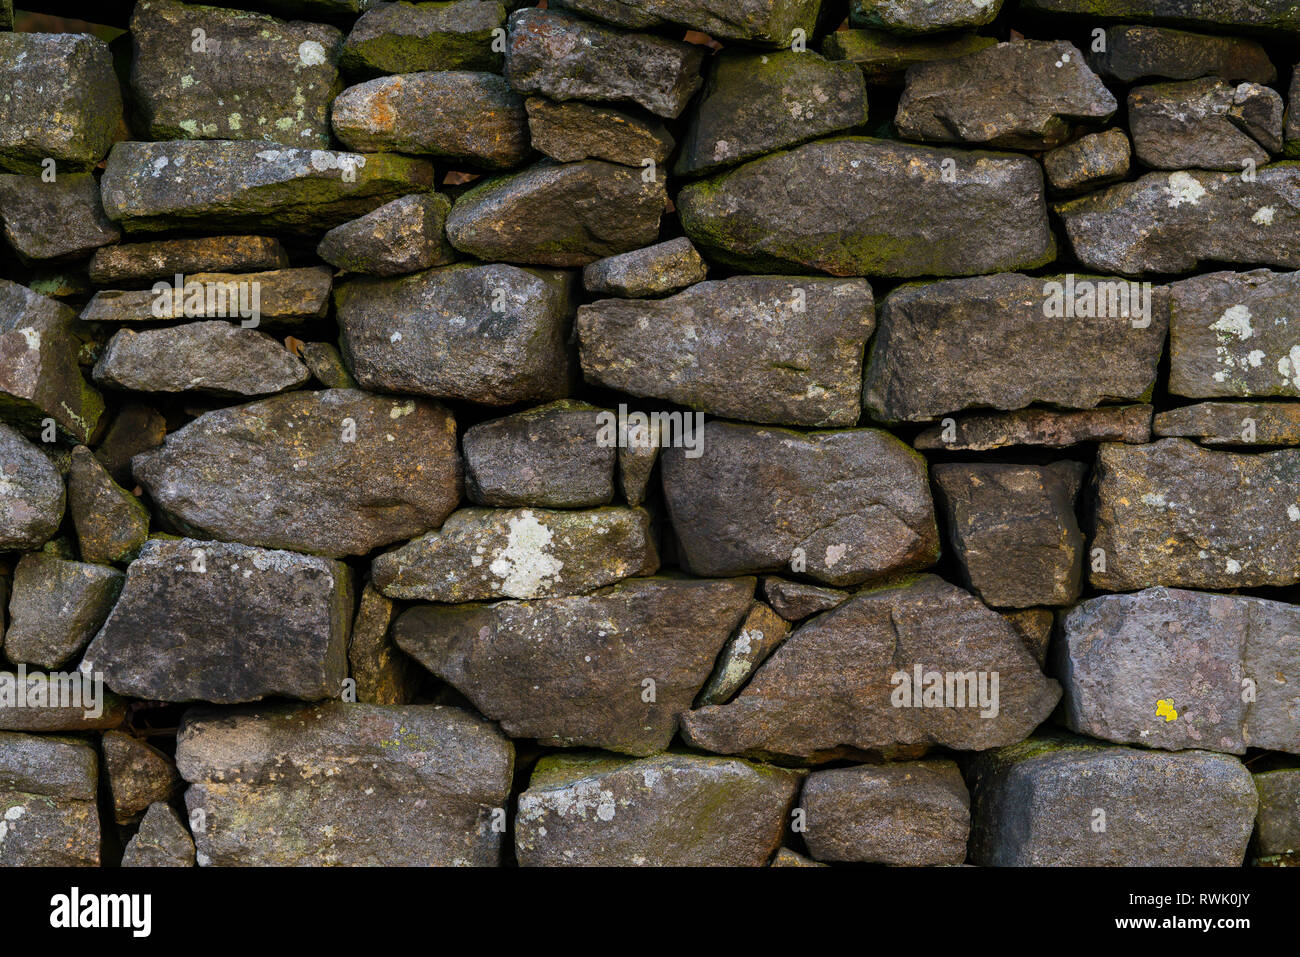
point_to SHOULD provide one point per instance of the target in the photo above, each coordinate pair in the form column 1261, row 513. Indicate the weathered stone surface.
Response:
column 31, row 493
column 482, row 553
column 326, row 365
column 1016, row 342
column 910, row 17
column 1166, row 668
column 593, row 810
column 63, row 702
column 397, row 334
column 754, row 103
column 1034, row 625
column 403, row 236
column 54, row 222
column 1089, row 162
column 208, row 621
column 1159, row 53
column 1171, row 222
column 765, row 23
column 914, row 813
column 884, row 58
column 1021, row 95
column 457, row 116
column 876, row 208
column 638, row 451
column 1240, row 16
column 414, row 37
column 576, row 131
column 223, row 186
column 1204, row 124
column 369, row 785
column 139, row 775
column 766, row 349
column 1035, row 804
column 566, row 58
column 1173, row 513
column 759, row 634
column 788, row 858
column 843, row 507
column 39, row 374
column 566, row 214
column 794, row 601
column 830, row 690
column 245, row 77
column 1291, row 129
column 47, row 800
column 1277, row 828
column 1050, row 428
column 383, row 672
column 318, row 472
column 136, row 428
column 136, row 263
column 1233, row 423
column 56, row 607
column 658, row 270
column 1013, row 530
column 62, row 100
column 574, row 671
column 162, row 841
column 1229, row 335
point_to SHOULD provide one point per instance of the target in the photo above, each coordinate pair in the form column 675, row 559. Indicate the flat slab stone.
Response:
column 1204, row 124
column 1263, row 17
column 794, row 600
column 884, row 57
column 1159, row 53
column 1233, row 423
column 574, row 131
column 1049, row 428
column 763, row 23
column 47, row 801
column 61, row 702
column 139, row 263
column 411, row 38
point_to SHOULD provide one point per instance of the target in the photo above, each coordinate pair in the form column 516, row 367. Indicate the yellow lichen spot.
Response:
column 1165, row 709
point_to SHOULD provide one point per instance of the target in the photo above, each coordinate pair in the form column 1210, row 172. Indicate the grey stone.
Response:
column 759, row 634
column 912, row 17
column 884, row 57
column 1048, row 428
column 138, row 263
column 383, row 672
column 139, row 775
column 638, row 451
column 1233, row 423
column 1204, row 124
column 32, row 701
column 1277, row 828
column 1089, row 162
column 47, row 801
column 1159, row 53
column 31, row 493
column 658, row 270
column 326, row 365
column 765, row 23
column 414, row 37
column 56, row 607
column 162, row 841
column 54, row 222
column 1264, row 17
column 795, row 601
column 576, row 131
column 403, row 236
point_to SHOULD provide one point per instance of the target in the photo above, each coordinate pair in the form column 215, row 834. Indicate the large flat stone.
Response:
column 1159, row 53
column 1049, row 428
column 413, row 37
column 763, row 23
column 1233, row 423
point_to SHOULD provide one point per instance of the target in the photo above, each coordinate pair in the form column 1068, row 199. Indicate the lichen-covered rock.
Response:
column 194, row 614
column 795, row 601
column 61, row 102
column 914, row 813
column 1205, row 124
column 139, row 775
column 574, row 131
column 1067, row 802
column 111, row 523
column 383, row 673
column 1089, row 162
column 566, row 214
column 482, row 553
column 1264, row 17
column 875, row 208
column 507, row 327
column 566, row 58
column 56, row 607
column 338, row 472
column 759, row 634
column 47, row 802
column 1049, row 428
column 612, row 670
column 658, row 270
column 415, row 37
column 911, row 17
column 884, row 57
column 242, row 76
column 370, row 785
column 842, row 507
column 1159, row 53
column 326, row 365
column 162, row 841
column 400, row 237
column 31, row 493
column 672, row 810
column 1277, row 828
column 140, row 263
column 892, row 671
column 766, row 349
column 754, row 103
column 1233, row 423
column 1173, row 513
column 764, row 23
column 54, row 222
column 457, row 116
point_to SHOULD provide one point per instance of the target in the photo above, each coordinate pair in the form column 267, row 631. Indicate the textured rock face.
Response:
column 909, row 17
column 657, row 270
column 54, row 222
column 383, row 673
column 759, row 634
column 884, row 57
column 1233, row 423
column 412, row 38
column 111, row 523
column 162, row 841
column 31, row 493
column 1048, row 428
column 1244, row 17
column 270, row 300
column 400, row 237
column 1206, row 124
column 1149, row 53
column 1037, row 804
column 595, row 810
column 56, row 607
column 842, row 507
column 139, row 775
column 757, row 22
column 612, row 670
column 890, row 670
column 414, row 785
column 140, row 263
column 1278, row 828
column 47, row 792
column 875, row 208
column 1088, row 162
column 574, row 131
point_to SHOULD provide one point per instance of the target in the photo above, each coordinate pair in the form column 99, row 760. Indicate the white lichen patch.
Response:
column 525, row 567
column 1184, row 188
column 1263, row 216
column 311, row 53
column 1235, row 321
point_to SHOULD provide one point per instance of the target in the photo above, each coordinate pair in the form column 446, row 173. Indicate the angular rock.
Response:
column 383, row 673
column 243, row 76
column 761, row 632
column 1159, row 53
column 1233, row 423
column 414, row 37
column 576, row 131
column 226, row 186
column 54, row 222
column 1291, row 130
column 658, row 270
column 1089, row 162
column 207, row 621
column 1173, row 513
column 1036, row 804
column 31, row 493
column 884, row 58
column 1239, row 16
column 613, row 669
column 136, row 428
column 162, row 841
column 371, row 785
column 766, row 349
column 507, row 327
column 62, row 703
column 754, row 103
column 56, row 607
column 1204, row 124
column 1277, row 828
column 1073, row 342
column 590, row 809
column 1013, row 530
column 456, row 116
column 111, row 523
column 638, row 451
column 765, row 23
column 876, row 208
column 139, row 775
column 1034, row 625
column 911, row 17
column 913, row 813
column 565, row 58
column 788, row 858
column 842, row 507
column 135, row 263
column 47, row 801
column 403, row 236
column 1021, row 95
column 891, row 671
column 794, row 601
column 68, row 76
column 1049, row 428
column 326, row 365
column 566, row 214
